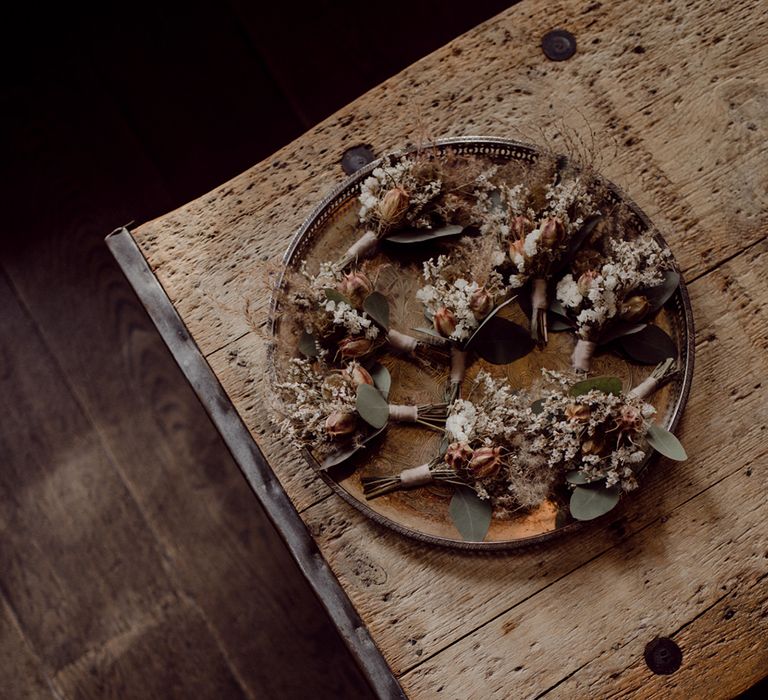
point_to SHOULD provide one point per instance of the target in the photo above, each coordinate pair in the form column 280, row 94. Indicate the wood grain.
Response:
column 675, row 98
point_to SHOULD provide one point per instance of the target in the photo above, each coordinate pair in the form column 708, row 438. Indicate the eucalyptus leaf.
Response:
column 500, row 341
column 344, row 454
column 618, row 330
column 659, row 295
column 372, row 406
column 648, row 346
column 588, row 503
column 419, row 235
column 579, row 477
column 557, row 308
column 377, row 307
column 381, row 378
column 335, row 295
column 557, row 323
column 665, row 443
column 470, row 514
column 308, row 344
column 608, row 385
column 537, row 406
column 491, row 314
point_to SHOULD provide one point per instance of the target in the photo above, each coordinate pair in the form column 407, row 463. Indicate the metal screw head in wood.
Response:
column 663, row 656
column 558, row 45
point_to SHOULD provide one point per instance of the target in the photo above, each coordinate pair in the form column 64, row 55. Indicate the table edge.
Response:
column 253, row 465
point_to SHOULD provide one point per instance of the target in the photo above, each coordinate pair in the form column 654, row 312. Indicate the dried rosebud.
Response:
column 516, row 247
column 355, row 286
column 393, row 206
column 552, row 232
column 458, row 455
column 355, row 347
column 585, row 282
column 520, row 227
column 444, row 322
column 595, row 445
column 630, row 420
column 358, row 374
column 481, row 303
column 587, row 259
column 485, row 462
column 577, row 413
column 340, row 423
column 634, row 308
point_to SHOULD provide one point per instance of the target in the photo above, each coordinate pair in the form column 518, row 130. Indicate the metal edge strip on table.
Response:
column 253, row 464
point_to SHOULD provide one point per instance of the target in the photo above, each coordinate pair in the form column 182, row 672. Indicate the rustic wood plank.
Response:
column 22, row 675
column 726, row 640
column 210, row 253
column 169, row 653
column 60, row 562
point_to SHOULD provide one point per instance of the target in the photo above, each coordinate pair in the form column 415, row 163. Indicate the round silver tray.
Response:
column 423, row 513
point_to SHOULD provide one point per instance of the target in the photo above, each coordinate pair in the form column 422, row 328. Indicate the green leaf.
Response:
column 648, row 346
column 470, row 514
column 618, row 330
column 501, row 342
column 372, row 406
column 381, row 378
column 665, row 443
column 419, row 235
column 308, row 344
column 537, row 406
column 343, row 455
column 579, row 477
column 659, row 295
column 377, row 307
column 337, row 296
column 588, row 503
column 608, row 385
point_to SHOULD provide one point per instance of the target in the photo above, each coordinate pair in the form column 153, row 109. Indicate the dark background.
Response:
column 133, row 559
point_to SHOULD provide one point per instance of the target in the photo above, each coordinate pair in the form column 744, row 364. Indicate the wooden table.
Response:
column 673, row 99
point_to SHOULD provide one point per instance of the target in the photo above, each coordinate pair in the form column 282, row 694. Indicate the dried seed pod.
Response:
column 586, row 281
column 393, row 206
column 355, row 347
column 596, row 445
column 634, row 308
column 444, row 322
column 485, row 462
column 458, row 455
column 358, row 374
column 355, row 286
column 520, row 227
column 340, row 424
column 552, row 232
column 481, row 303
column 516, row 249
column 577, row 413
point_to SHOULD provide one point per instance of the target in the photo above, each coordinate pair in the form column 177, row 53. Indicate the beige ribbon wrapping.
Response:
column 404, row 414
column 644, row 388
column 401, row 341
column 458, row 365
column 539, row 294
column 582, row 354
column 363, row 245
column 417, row 476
